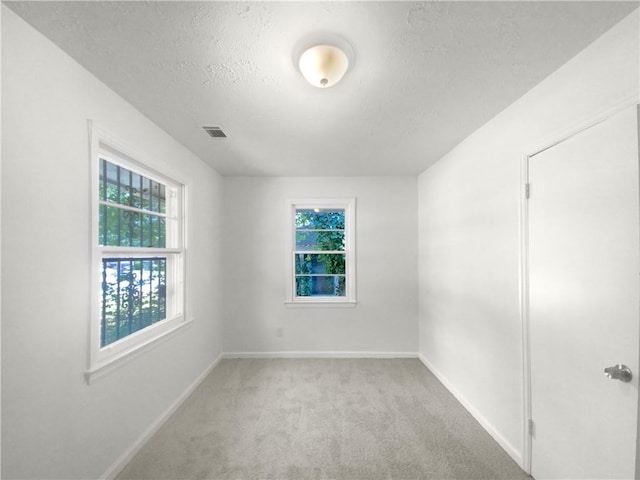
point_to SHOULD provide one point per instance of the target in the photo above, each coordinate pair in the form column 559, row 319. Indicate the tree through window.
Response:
column 320, row 274
column 322, row 251
column 134, row 288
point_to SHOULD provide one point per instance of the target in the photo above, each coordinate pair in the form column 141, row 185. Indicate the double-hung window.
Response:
column 138, row 254
column 321, row 251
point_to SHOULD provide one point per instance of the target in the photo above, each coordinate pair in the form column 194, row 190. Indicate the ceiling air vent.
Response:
column 215, row 132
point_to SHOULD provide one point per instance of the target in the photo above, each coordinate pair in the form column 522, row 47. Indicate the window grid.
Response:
column 137, row 204
column 143, row 306
column 321, row 270
column 133, row 216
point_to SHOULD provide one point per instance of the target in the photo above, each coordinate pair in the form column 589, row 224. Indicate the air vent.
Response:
column 215, row 132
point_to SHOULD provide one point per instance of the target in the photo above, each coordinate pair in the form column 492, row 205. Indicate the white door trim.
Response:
column 525, row 193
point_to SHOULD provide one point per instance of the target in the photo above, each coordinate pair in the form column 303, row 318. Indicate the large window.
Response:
column 138, row 254
column 321, row 256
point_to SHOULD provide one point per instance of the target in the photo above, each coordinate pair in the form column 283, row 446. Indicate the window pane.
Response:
column 127, row 227
column 125, row 187
column 162, row 196
column 123, row 228
column 103, row 180
column 146, row 193
column 320, row 218
column 158, row 197
column 133, row 296
column 333, row 286
column 136, row 189
column 323, row 240
column 324, row 263
column 111, row 182
column 102, row 221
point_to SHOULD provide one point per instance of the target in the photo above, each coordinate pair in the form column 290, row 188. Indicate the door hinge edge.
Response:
column 527, row 190
column 530, row 427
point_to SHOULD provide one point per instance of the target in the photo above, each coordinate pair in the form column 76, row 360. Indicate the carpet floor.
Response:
column 360, row 419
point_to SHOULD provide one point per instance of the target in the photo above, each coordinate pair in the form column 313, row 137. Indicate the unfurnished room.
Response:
column 320, row 240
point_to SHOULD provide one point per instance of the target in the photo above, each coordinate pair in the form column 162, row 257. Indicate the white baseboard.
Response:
column 126, row 457
column 491, row 430
column 320, row 355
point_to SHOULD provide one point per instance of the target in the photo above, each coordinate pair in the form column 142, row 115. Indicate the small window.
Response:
column 321, row 257
column 138, row 254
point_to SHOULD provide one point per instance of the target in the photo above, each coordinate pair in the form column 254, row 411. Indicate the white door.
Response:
column 584, row 293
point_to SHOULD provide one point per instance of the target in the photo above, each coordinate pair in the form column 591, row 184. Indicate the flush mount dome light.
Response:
column 323, row 65
column 323, row 59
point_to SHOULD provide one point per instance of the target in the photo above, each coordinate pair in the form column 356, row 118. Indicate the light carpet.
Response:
column 360, row 419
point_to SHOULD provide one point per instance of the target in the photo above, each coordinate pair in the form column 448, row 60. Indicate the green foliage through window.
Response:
column 132, row 214
column 320, row 274
column 133, row 295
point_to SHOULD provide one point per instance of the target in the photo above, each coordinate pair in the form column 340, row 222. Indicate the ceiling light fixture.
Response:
column 324, row 59
column 323, row 65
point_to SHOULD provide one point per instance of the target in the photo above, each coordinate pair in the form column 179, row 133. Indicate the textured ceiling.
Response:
column 425, row 76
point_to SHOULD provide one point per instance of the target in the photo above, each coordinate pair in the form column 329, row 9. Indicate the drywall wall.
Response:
column 470, row 326
column 385, row 319
column 54, row 425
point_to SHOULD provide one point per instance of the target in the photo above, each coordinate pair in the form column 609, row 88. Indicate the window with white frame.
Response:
column 321, row 251
column 138, row 246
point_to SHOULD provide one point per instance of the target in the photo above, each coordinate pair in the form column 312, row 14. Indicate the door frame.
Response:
column 525, row 192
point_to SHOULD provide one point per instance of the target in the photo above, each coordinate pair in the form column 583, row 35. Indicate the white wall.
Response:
column 470, row 326
column 385, row 319
column 54, row 425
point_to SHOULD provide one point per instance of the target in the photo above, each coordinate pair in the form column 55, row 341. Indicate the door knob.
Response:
column 619, row 372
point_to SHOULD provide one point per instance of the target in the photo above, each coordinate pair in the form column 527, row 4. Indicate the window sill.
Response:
column 321, row 304
column 114, row 363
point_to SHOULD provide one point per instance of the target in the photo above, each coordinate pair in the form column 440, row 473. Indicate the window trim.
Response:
column 349, row 205
column 105, row 359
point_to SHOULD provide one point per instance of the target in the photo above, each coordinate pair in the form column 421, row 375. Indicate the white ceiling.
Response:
column 426, row 74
